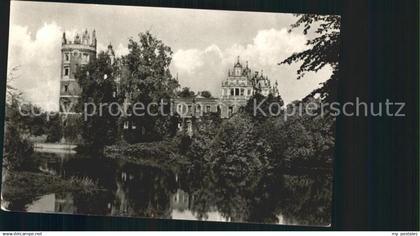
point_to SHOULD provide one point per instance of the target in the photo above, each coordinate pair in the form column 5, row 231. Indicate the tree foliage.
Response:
column 97, row 82
column 146, row 79
column 17, row 147
column 238, row 153
column 186, row 93
column 260, row 107
column 54, row 130
column 322, row 50
column 206, row 94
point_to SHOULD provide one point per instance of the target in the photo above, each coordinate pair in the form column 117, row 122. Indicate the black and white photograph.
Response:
column 170, row 113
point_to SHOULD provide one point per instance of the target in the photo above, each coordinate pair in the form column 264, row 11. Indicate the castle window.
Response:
column 66, row 88
column 85, row 58
column 198, row 109
column 242, row 92
column 236, row 92
column 66, row 57
column 208, row 108
column 249, row 92
column 230, row 111
column 232, row 92
column 66, row 71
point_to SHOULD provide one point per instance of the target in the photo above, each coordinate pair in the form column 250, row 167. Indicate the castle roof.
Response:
column 238, row 64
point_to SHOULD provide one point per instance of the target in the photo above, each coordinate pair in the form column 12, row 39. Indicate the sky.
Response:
column 205, row 44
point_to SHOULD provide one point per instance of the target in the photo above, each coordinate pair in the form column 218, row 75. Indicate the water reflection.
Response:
column 194, row 193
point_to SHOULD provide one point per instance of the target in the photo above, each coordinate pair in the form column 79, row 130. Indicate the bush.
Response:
column 16, row 149
column 238, row 154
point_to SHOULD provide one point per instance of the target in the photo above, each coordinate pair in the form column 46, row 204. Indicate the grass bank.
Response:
column 163, row 154
column 21, row 187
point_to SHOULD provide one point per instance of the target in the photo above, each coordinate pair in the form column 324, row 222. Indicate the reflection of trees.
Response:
column 308, row 199
column 96, row 168
column 303, row 199
column 95, row 203
column 232, row 205
column 265, row 198
column 144, row 192
column 199, row 183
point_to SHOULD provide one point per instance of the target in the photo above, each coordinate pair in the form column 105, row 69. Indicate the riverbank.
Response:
column 24, row 187
column 54, row 146
column 163, row 154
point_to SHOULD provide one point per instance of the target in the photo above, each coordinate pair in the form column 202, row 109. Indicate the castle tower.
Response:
column 238, row 84
column 74, row 54
column 110, row 52
column 237, row 88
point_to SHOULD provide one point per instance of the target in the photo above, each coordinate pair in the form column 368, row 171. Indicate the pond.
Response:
column 191, row 194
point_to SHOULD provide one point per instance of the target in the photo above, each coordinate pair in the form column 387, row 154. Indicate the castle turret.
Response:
column 111, row 53
column 86, row 38
column 93, row 39
column 73, row 55
column 64, row 40
column 275, row 90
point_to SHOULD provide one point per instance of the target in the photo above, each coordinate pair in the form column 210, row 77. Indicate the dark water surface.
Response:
column 193, row 194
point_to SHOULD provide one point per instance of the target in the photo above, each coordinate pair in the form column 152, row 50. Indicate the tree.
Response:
column 186, row 93
column 146, row 79
column 307, row 140
column 54, row 130
column 73, row 128
column 206, row 94
column 97, row 81
column 260, row 107
column 205, row 130
column 17, row 148
column 322, row 50
column 238, row 154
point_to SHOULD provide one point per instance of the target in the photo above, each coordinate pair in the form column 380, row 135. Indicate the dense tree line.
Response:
column 144, row 78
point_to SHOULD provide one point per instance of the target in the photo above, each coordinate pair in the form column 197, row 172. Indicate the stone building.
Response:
column 241, row 84
column 74, row 53
column 238, row 87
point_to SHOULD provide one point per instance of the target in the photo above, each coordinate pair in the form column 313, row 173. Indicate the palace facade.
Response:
column 240, row 84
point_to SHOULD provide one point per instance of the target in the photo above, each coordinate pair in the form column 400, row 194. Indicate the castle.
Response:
column 240, row 84
column 78, row 52
column 74, row 54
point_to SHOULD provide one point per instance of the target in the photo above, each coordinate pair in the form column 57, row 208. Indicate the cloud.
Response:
column 121, row 50
column 38, row 58
column 205, row 69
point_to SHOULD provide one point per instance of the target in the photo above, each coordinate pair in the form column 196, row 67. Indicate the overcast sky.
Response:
column 205, row 44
